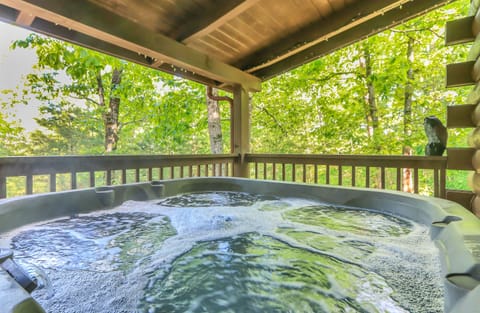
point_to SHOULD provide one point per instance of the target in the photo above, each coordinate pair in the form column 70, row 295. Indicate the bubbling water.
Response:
column 234, row 252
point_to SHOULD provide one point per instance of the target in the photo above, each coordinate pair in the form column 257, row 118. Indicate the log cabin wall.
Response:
column 466, row 115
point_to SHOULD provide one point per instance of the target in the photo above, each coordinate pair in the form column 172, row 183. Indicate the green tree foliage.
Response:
column 11, row 137
column 71, row 130
column 368, row 98
column 11, row 133
column 85, row 94
column 324, row 106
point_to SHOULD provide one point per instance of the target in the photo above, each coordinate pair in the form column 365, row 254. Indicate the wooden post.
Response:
column 241, row 130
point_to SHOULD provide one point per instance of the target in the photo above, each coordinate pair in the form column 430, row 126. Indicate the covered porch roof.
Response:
column 220, row 43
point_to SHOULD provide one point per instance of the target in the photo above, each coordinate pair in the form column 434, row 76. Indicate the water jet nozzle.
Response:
column 16, row 271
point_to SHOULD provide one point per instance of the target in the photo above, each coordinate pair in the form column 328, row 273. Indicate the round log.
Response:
column 476, row 161
column 476, row 116
column 476, row 70
column 474, row 5
column 474, row 182
column 474, row 138
column 474, row 51
column 475, row 207
column 476, row 23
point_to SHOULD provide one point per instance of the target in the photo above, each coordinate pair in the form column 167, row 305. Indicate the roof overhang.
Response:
column 233, row 42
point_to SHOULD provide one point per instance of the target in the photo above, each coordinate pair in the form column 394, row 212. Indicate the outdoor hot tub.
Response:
column 454, row 231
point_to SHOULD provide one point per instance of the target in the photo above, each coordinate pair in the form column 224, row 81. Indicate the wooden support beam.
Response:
column 322, row 30
column 460, row 116
column 48, row 28
column 460, row 74
column 460, row 158
column 241, row 130
column 462, row 197
column 266, row 65
column 459, row 31
column 25, row 19
column 157, row 63
column 208, row 21
column 88, row 18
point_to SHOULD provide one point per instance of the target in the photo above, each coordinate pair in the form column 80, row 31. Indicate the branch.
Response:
column 414, row 30
column 332, row 75
column 274, row 119
column 84, row 98
column 121, row 125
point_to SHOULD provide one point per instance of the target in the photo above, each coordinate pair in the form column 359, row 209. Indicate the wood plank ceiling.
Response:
column 216, row 42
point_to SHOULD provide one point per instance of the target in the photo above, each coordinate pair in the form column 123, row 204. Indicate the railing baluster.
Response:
column 415, row 180
column 274, row 171
column 92, row 179
column 172, row 172
column 109, row 177
column 256, row 170
column 53, row 182
column 190, row 171
column 382, row 177
column 283, row 171
column 73, row 180
column 137, row 175
column 327, row 174
column 304, row 173
column 354, row 183
column 443, row 184
column 181, row 171
column 436, row 190
column 29, row 184
column 206, row 170
column 124, row 175
column 294, row 173
column 220, row 172
column 160, row 173
column 3, row 187
column 340, row 175
column 399, row 179
column 150, row 174
column 315, row 173
column 264, row 170
column 367, row 176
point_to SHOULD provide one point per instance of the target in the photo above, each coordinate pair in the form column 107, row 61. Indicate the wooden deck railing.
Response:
column 27, row 175
column 43, row 174
column 428, row 174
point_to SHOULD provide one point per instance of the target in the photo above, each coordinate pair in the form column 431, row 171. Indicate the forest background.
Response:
column 367, row 98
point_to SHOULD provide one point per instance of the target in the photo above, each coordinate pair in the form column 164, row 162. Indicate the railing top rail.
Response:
column 427, row 162
column 13, row 159
column 18, row 166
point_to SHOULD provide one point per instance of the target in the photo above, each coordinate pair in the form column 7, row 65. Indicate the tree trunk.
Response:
column 371, row 109
column 111, row 115
column 407, row 185
column 214, row 124
column 371, row 103
column 407, row 107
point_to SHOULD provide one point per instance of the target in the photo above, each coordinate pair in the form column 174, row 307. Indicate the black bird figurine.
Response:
column 436, row 134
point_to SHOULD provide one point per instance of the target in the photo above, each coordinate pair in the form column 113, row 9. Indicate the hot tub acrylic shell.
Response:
column 455, row 230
